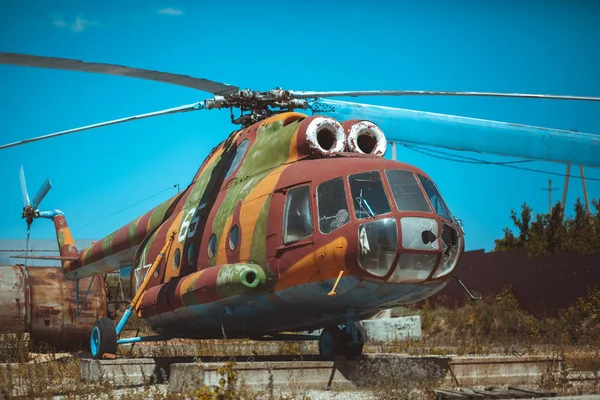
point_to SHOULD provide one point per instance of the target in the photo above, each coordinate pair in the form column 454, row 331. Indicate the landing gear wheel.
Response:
column 103, row 338
column 331, row 343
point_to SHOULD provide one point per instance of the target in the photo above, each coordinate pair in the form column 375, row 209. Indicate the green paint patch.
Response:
column 88, row 256
column 270, row 150
column 61, row 238
column 131, row 229
column 107, row 244
column 158, row 215
column 258, row 248
column 236, row 279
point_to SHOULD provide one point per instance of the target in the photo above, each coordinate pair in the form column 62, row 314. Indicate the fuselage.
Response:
column 267, row 226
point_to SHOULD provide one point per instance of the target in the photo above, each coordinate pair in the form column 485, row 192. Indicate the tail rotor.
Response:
column 30, row 210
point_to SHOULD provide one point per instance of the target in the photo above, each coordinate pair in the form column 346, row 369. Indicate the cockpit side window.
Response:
column 297, row 221
column 434, row 197
column 368, row 195
column 406, row 191
column 237, row 158
column 332, row 205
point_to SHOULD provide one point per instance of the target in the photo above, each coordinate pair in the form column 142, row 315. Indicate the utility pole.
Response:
column 585, row 194
column 565, row 189
column 550, row 189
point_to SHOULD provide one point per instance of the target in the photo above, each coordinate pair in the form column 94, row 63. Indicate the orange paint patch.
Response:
column 324, row 263
column 67, row 237
column 187, row 283
column 251, row 208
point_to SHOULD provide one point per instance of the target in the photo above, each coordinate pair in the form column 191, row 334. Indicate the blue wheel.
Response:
column 103, row 338
column 331, row 343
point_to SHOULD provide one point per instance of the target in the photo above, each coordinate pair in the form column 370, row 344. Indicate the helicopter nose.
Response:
column 423, row 248
column 378, row 245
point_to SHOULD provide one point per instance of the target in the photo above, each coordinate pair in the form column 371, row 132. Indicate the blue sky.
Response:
column 509, row 46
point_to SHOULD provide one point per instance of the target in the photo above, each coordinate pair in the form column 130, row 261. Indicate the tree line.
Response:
column 554, row 232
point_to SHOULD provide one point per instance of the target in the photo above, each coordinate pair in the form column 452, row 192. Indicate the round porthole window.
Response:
column 234, row 236
column 192, row 254
column 212, row 246
column 176, row 259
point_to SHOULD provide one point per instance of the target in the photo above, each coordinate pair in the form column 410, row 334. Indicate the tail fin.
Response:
column 66, row 244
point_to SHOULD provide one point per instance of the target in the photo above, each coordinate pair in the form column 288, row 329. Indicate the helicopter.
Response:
column 293, row 223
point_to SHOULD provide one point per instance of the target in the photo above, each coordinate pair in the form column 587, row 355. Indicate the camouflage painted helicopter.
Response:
column 292, row 223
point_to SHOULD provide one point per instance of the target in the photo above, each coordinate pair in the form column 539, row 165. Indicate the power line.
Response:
column 471, row 160
column 129, row 206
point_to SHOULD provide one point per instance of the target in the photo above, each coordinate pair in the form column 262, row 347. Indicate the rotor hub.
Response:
column 255, row 106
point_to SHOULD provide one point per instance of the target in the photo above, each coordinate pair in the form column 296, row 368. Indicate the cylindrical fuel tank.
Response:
column 39, row 301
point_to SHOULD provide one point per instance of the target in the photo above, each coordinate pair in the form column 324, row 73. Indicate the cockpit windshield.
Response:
column 406, row 191
column 368, row 195
column 434, row 197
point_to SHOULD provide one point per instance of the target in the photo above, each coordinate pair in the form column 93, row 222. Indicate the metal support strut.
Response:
column 474, row 298
column 78, row 306
column 142, row 288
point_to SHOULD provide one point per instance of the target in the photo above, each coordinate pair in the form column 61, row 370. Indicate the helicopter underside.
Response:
column 304, row 307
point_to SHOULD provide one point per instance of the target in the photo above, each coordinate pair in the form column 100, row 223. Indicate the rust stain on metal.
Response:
column 14, row 300
column 40, row 301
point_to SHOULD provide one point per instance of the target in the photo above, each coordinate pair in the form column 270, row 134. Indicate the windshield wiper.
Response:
column 367, row 210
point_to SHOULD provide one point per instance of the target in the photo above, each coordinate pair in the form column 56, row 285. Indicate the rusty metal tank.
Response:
column 39, row 301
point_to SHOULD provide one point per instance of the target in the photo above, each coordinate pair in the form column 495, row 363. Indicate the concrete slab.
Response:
column 391, row 329
column 503, row 369
column 371, row 370
column 129, row 372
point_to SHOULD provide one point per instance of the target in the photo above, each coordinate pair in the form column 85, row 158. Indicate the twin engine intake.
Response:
column 325, row 136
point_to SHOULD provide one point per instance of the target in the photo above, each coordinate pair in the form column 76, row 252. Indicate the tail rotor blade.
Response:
column 24, row 193
column 39, row 196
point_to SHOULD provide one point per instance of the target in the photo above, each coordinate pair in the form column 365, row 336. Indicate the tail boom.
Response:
column 114, row 251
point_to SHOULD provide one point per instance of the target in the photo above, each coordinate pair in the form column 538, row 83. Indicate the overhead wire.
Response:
column 125, row 208
column 472, row 160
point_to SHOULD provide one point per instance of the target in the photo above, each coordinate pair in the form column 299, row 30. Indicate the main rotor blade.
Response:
column 68, row 64
column 312, row 95
column 39, row 196
column 471, row 134
column 187, row 107
column 24, row 193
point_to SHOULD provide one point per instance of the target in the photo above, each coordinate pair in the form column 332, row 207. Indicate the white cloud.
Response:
column 81, row 23
column 170, row 11
column 78, row 25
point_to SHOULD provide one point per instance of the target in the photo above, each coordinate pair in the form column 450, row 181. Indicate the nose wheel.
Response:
column 336, row 341
column 103, row 338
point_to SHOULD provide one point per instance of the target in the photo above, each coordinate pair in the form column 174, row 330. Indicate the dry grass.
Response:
column 494, row 326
